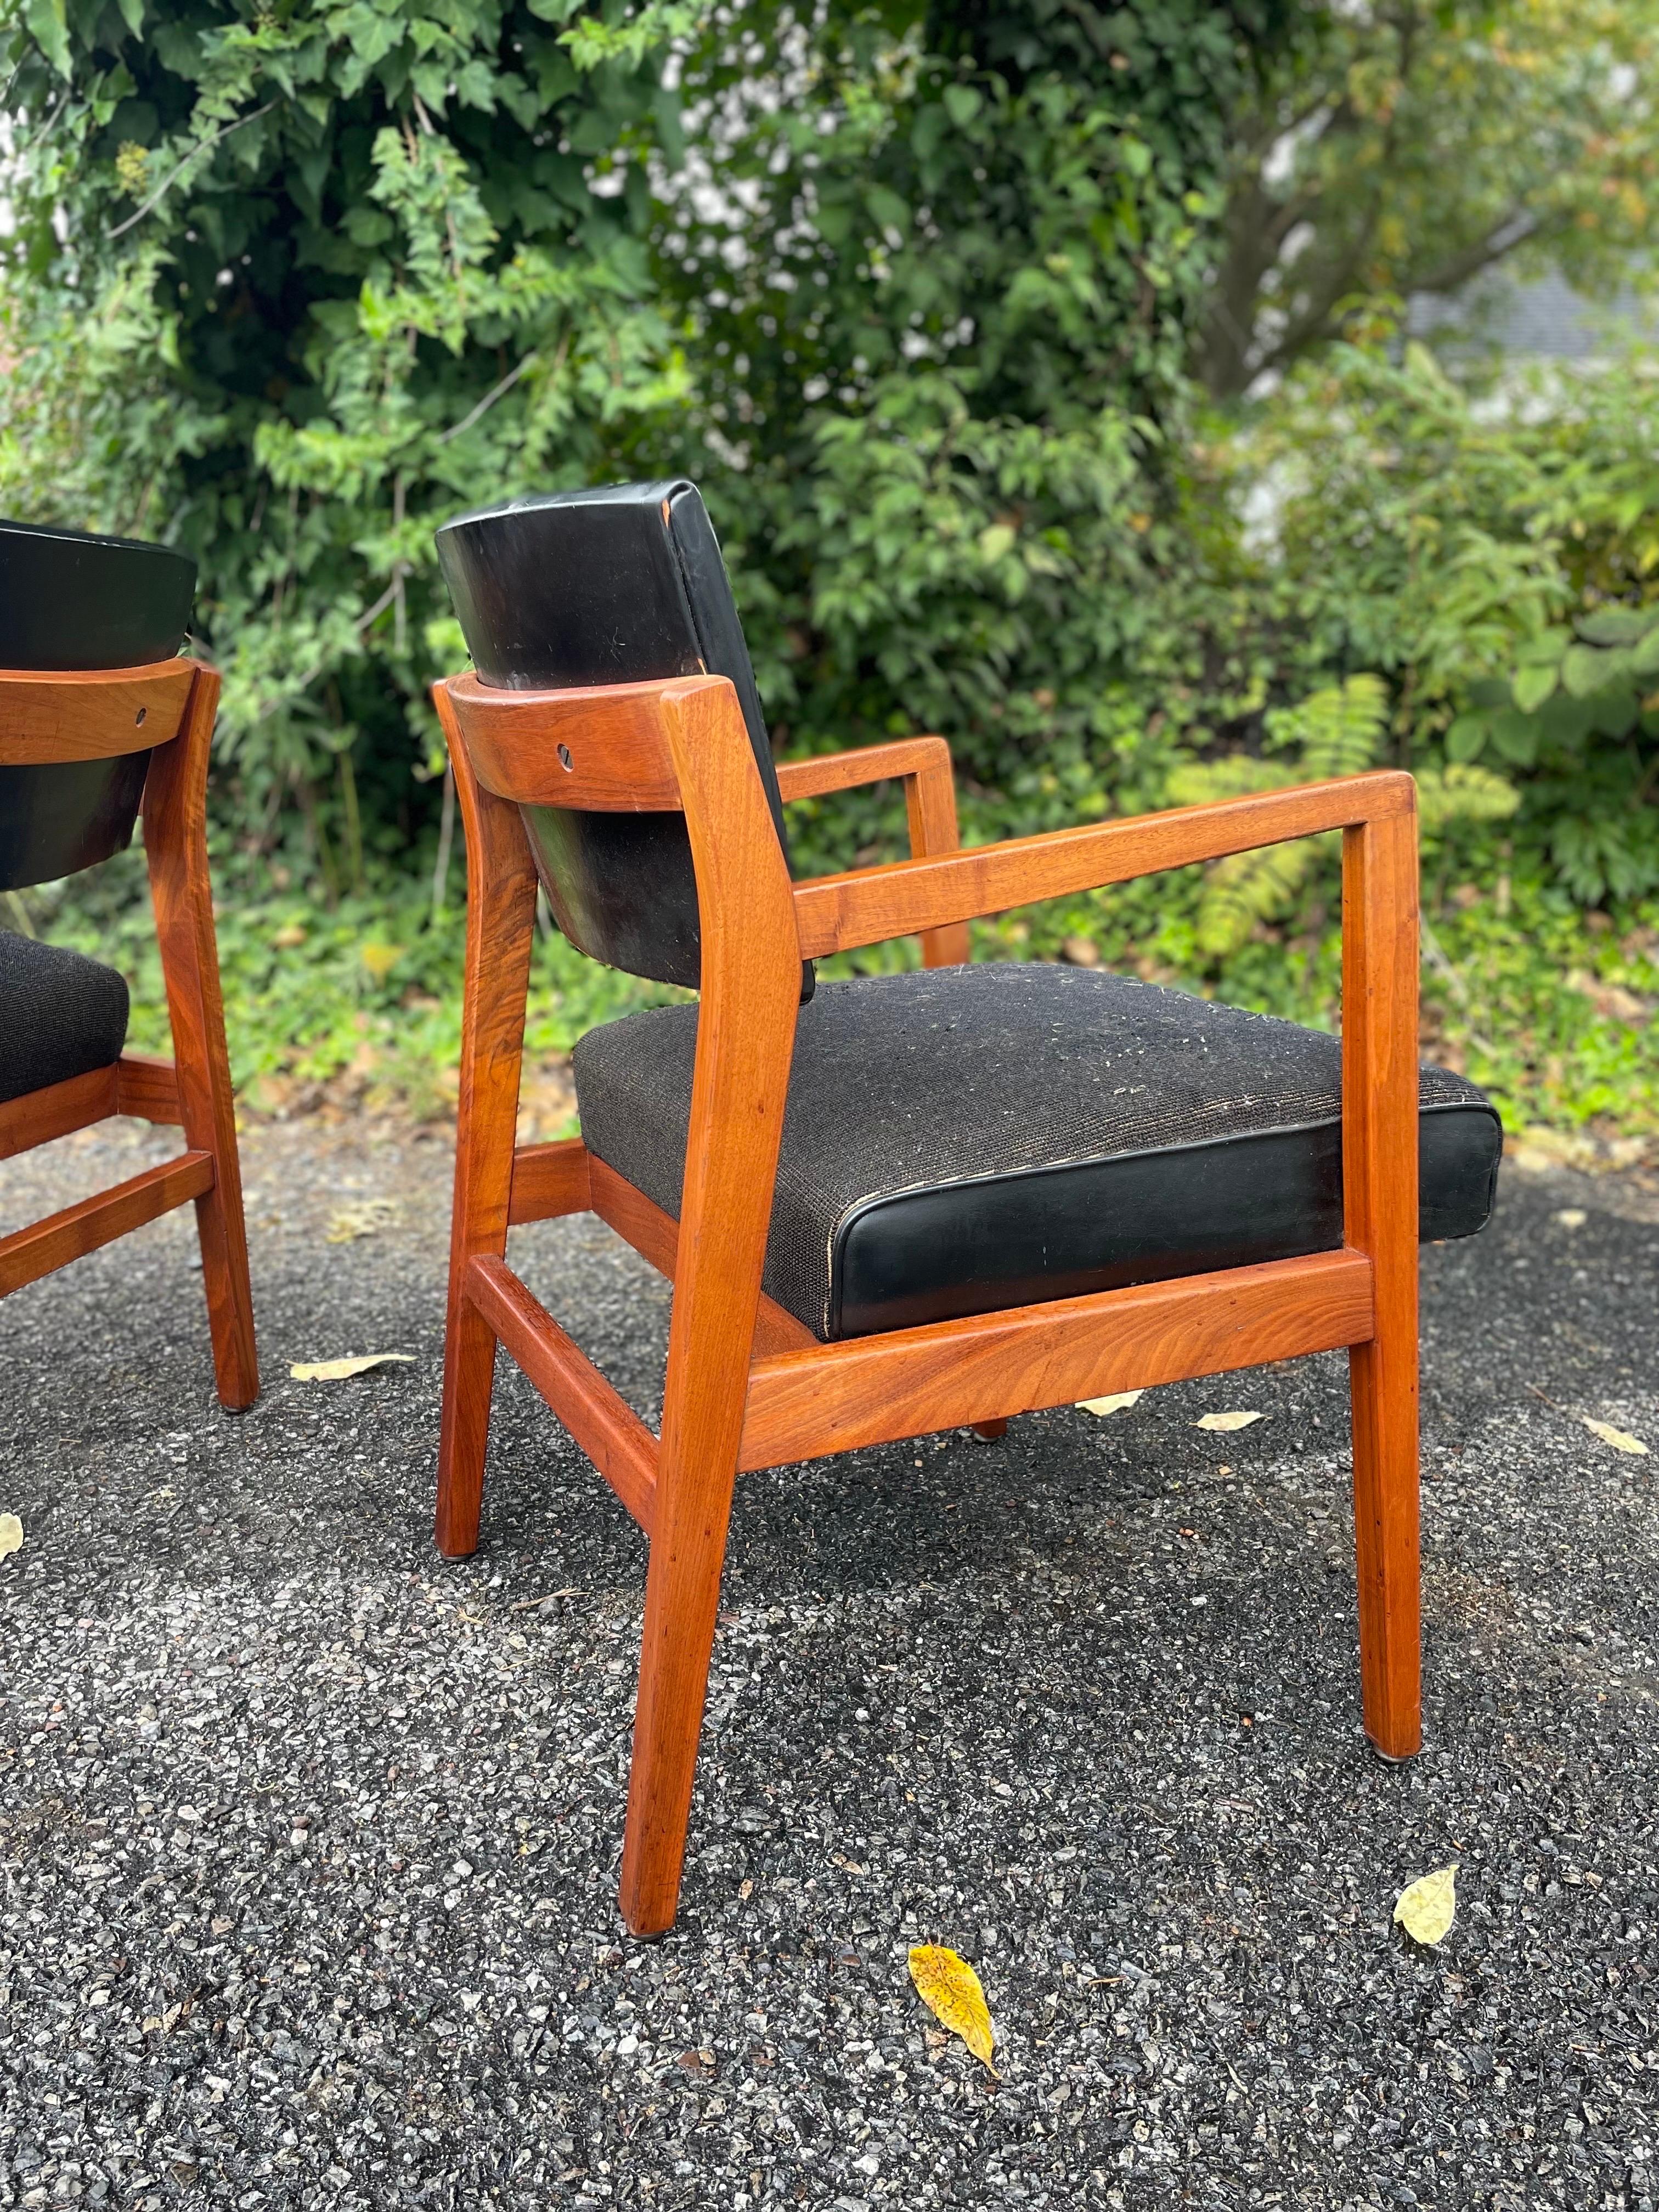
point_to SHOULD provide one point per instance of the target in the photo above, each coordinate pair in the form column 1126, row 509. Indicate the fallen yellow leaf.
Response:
column 341, row 1371
column 12, row 1535
column 950, row 1989
column 1119, row 1402
column 1572, row 1217
column 362, row 1219
column 1226, row 1422
column 1620, row 1439
column 380, row 959
column 1426, row 1907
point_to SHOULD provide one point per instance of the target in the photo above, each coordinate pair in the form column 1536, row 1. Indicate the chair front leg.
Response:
column 181, row 893
column 499, row 932
column 745, row 1041
column 1380, row 1196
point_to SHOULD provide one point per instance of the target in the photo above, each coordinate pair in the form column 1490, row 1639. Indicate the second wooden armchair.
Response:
column 902, row 1203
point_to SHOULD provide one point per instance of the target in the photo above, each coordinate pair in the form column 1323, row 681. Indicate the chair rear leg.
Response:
column 175, row 846
column 500, row 933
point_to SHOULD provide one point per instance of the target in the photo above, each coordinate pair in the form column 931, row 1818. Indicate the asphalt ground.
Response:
column 308, row 1840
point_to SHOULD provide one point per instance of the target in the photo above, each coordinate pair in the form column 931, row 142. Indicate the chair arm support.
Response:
column 923, row 765
column 909, row 758
column 835, row 914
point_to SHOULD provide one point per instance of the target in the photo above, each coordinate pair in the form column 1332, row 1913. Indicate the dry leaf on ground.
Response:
column 341, row 1371
column 12, row 1535
column 1620, row 1439
column 1572, row 1217
column 950, row 1989
column 361, row 1218
column 1426, row 1908
column 1119, row 1402
column 1226, row 1422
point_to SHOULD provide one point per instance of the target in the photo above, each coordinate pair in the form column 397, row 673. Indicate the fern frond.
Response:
column 1194, row 783
column 1247, row 888
column 1339, row 731
column 1465, row 792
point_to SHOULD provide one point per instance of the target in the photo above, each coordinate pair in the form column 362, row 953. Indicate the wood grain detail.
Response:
column 602, row 748
column 181, row 893
column 739, row 1086
column 1379, row 1187
column 148, row 1089
column 500, row 921
column 46, row 1245
column 134, row 1085
column 91, row 714
column 39, row 1115
column 913, row 1381
column 836, row 913
column 655, row 1237
column 923, row 765
column 606, row 1427
column 548, row 1181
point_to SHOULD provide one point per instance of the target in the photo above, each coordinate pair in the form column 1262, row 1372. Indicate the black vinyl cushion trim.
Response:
column 1059, row 1232
column 960, row 1139
column 61, row 1014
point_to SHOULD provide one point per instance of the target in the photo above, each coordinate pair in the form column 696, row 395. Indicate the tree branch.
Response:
column 1502, row 240
column 202, row 146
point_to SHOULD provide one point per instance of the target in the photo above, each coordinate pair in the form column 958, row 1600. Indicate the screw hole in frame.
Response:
column 138, row 719
column 565, row 760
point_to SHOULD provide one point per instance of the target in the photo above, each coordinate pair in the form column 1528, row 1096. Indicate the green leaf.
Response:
column 1533, row 686
column 47, row 24
column 1545, row 649
column 887, row 209
column 962, row 104
column 1644, row 657
column 1466, row 740
column 1614, row 711
column 1515, row 735
column 1584, row 670
column 133, row 14
column 1620, row 625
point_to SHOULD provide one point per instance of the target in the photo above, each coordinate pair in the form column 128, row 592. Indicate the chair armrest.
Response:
column 923, row 765
column 836, row 913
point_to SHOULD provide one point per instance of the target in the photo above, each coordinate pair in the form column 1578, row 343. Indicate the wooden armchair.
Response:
column 81, row 751
column 688, row 1112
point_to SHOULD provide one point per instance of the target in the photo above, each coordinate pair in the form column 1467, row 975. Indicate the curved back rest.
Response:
column 76, row 610
column 610, row 588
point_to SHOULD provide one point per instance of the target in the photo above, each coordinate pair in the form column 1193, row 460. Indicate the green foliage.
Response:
column 1407, row 149
column 1491, row 549
column 941, row 299
column 289, row 286
column 1337, row 731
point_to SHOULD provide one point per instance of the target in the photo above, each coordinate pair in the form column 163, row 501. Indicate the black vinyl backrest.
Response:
column 71, row 601
column 619, row 586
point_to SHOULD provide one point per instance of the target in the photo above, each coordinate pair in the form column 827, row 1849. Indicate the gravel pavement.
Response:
column 308, row 1840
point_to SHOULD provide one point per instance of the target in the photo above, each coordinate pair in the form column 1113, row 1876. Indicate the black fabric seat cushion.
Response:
column 961, row 1139
column 60, row 1015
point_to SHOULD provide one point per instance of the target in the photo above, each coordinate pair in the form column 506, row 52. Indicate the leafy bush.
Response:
column 289, row 286
column 1490, row 546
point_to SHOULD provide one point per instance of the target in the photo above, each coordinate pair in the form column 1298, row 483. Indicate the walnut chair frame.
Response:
column 748, row 1386
column 168, row 709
